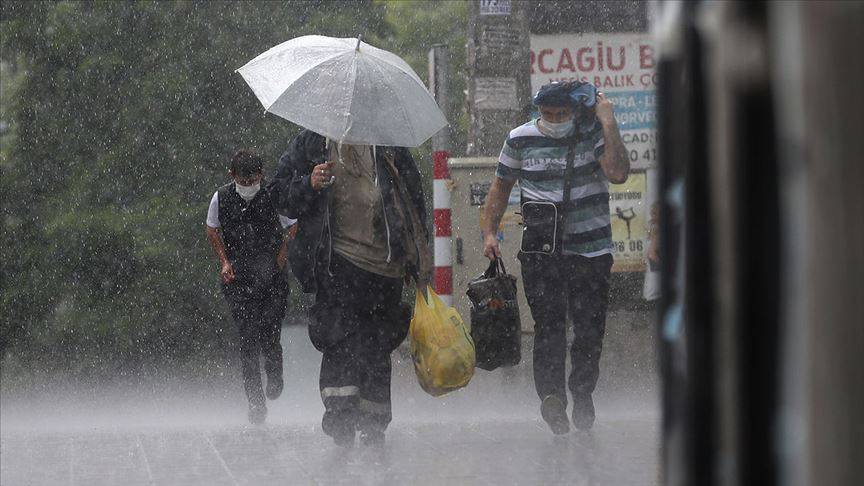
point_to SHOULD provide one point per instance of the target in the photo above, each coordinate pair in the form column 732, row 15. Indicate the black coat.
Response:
column 294, row 197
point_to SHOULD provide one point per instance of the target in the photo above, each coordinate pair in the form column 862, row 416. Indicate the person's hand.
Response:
column 322, row 176
column 227, row 273
column 604, row 110
column 490, row 246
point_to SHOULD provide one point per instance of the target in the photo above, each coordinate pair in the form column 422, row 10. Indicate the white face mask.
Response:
column 247, row 192
column 555, row 130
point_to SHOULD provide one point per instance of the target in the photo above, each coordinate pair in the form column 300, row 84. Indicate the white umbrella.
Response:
column 346, row 90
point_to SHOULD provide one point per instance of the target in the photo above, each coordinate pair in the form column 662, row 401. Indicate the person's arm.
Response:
column 496, row 204
column 282, row 254
column 288, row 234
column 298, row 182
column 227, row 271
column 614, row 161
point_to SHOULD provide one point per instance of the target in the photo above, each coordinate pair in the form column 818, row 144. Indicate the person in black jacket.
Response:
column 247, row 235
column 361, row 231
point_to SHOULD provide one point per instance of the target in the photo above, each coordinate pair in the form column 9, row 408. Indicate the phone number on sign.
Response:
column 631, row 246
column 649, row 155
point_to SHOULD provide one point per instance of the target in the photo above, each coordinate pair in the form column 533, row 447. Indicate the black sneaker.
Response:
column 257, row 414
column 554, row 412
column 583, row 412
column 274, row 387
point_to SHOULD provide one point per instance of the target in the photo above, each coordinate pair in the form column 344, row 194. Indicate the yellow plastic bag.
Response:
column 441, row 345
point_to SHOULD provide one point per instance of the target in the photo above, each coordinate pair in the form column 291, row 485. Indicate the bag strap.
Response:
column 492, row 269
column 568, row 171
column 496, row 267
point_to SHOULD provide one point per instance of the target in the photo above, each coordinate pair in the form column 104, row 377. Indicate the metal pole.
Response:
column 438, row 70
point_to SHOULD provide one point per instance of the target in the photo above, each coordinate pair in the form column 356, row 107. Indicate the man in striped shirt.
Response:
column 566, row 252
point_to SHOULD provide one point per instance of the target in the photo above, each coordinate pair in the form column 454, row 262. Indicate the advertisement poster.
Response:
column 621, row 66
column 627, row 205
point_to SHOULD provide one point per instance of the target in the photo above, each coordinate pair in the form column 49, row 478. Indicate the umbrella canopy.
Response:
column 346, row 90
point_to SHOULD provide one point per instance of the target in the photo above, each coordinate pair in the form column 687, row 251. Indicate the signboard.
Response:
column 494, row 7
column 495, row 93
column 627, row 208
column 478, row 193
column 497, row 41
column 620, row 65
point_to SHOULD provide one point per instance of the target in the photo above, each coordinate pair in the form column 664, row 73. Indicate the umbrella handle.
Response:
column 359, row 36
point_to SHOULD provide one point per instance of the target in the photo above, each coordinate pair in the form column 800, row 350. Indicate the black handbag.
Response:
column 544, row 220
column 495, row 325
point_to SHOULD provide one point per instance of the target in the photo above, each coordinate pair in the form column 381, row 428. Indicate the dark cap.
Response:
column 569, row 93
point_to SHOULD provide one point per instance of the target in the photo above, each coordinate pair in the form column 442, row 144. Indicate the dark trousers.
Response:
column 357, row 322
column 258, row 314
column 554, row 283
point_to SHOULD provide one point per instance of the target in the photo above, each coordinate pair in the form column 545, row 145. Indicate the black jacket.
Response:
column 294, row 197
column 252, row 235
column 249, row 229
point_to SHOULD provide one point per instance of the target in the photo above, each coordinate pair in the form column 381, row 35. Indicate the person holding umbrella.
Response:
column 355, row 190
column 362, row 231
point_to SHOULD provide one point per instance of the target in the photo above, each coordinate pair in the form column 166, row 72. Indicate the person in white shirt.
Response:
column 250, row 242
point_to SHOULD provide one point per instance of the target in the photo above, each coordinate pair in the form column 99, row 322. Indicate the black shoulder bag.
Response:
column 543, row 220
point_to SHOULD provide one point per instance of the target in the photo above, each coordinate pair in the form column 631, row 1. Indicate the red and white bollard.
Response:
column 441, row 215
column 443, row 285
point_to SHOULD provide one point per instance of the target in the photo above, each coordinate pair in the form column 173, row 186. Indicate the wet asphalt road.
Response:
column 489, row 433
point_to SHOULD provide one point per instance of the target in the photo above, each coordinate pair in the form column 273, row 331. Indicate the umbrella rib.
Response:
column 410, row 72
column 350, row 117
column 400, row 103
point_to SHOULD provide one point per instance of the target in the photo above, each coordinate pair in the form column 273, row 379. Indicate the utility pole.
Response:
column 499, row 71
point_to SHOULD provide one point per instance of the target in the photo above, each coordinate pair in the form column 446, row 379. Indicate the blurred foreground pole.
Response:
column 499, row 73
column 761, row 114
column 820, row 72
column 438, row 72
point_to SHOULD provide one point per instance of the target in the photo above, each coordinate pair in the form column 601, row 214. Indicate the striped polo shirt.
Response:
column 538, row 162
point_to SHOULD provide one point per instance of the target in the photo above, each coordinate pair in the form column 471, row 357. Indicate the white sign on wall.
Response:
column 495, row 94
column 620, row 65
column 494, row 7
